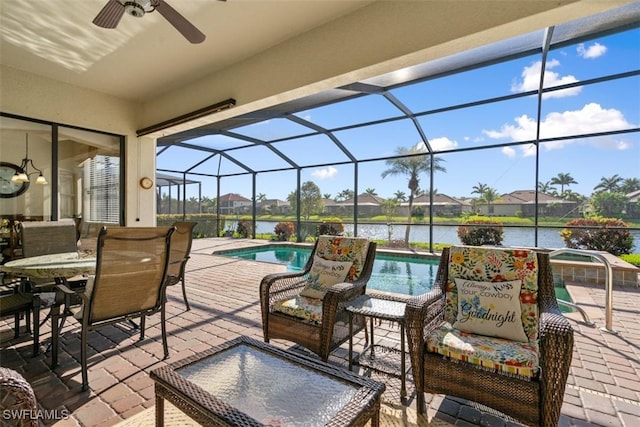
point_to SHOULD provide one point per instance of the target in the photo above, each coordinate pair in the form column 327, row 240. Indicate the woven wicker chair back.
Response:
column 130, row 271
column 180, row 247
column 43, row 238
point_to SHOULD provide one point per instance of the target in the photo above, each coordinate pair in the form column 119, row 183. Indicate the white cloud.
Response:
column 531, row 80
column 326, row 173
column 442, row 143
column 509, row 152
column 592, row 118
column 594, row 51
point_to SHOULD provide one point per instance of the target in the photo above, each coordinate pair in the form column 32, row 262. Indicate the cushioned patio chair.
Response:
column 130, row 283
column 180, row 249
column 308, row 307
column 490, row 332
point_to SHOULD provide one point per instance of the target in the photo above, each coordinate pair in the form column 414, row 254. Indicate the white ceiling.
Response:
column 146, row 57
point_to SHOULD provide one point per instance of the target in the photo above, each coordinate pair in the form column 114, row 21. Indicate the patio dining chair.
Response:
column 46, row 238
column 130, row 283
column 23, row 304
column 307, row 307
column 180, row 249
column 490, row 331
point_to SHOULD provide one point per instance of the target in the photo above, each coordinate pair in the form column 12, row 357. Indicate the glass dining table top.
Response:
column 66, row 264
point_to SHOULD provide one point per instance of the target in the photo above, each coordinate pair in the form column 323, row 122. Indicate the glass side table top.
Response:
column 268, row 388
column 380, row 308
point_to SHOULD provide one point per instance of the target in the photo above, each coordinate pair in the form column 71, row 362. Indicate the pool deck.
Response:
column 603, row 386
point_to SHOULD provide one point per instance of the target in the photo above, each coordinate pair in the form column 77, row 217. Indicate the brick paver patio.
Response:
column 603, row 388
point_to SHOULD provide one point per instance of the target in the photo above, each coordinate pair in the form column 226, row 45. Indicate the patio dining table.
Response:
column 58, row 267
column 53, row 266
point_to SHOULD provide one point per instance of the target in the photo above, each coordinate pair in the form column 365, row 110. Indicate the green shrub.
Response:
column 284, row 231
column 244, row 228
column 331, row 226
column 633, row 259
column 418, row 213
column 479, row 231
column 598, row 234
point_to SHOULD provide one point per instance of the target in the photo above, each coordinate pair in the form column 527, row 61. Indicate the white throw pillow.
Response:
column 323, row 275
column 490, row 308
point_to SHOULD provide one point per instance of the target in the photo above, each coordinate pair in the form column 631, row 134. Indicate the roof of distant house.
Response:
column 233, row 197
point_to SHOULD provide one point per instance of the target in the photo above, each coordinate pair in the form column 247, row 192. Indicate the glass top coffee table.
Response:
column 245, row 382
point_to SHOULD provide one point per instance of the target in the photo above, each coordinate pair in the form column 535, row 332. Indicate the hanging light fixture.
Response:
column 24, row 175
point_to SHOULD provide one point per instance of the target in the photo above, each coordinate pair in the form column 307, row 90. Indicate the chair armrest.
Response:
column 422, row 314
column 64, row 294
column 337, row 297
column 555, row 339
column 280, row 286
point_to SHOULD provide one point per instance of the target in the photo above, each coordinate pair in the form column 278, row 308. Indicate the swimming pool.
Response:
column 402, row 275
column 391, row 273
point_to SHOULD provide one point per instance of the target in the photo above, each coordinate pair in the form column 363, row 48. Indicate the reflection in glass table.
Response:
column 247, row 382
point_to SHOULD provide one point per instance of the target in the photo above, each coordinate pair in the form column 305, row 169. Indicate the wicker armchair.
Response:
column 18, row 404
column 130, row 283
column 180, row 249
column 523, row 378
column 319, row 323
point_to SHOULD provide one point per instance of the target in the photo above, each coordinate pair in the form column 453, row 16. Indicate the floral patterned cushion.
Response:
column 301, row 307
column 488, row 264
column 490, row 308
column 514, row 357
column 353, row 249
column 323, row 275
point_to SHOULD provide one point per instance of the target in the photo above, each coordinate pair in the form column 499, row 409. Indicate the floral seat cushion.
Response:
column 513, row 357
column 347, row 252
column 495, row 266
column 344, row 249
column 302, row 307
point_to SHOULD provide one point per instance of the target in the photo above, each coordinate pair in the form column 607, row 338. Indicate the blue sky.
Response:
column 600, row 107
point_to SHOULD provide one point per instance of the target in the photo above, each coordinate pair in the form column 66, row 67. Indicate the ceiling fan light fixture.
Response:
column 134, row 9
column 137, row 8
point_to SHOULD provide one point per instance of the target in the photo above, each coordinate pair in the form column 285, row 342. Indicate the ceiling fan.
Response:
column 112, row 12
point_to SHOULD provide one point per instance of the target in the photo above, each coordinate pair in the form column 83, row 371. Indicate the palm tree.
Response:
column 490, row 195
column 344, row 195
column 371, row 191
column 415, row 162
column 545, row 187
column 630, row 185
column 562, row 179
column 400, row 196
column 479, row 189
column 611, row 185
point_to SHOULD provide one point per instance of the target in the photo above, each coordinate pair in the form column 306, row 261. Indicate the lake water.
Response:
column 513, row 236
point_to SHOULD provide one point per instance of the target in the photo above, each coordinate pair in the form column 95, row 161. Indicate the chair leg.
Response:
column 55, row 334
column 36, row 325
column 142, row 325
column 83, row 358
column 16, row 332
column 184, row 295
column 163, row 327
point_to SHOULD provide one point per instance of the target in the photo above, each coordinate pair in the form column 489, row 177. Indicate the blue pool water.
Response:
column 409, row 276
column 401, row 275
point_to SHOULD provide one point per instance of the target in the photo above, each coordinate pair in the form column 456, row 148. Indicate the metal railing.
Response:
column 608, row 287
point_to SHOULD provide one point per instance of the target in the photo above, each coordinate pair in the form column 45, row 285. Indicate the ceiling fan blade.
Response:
column 110, row 15
column 186, row 28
